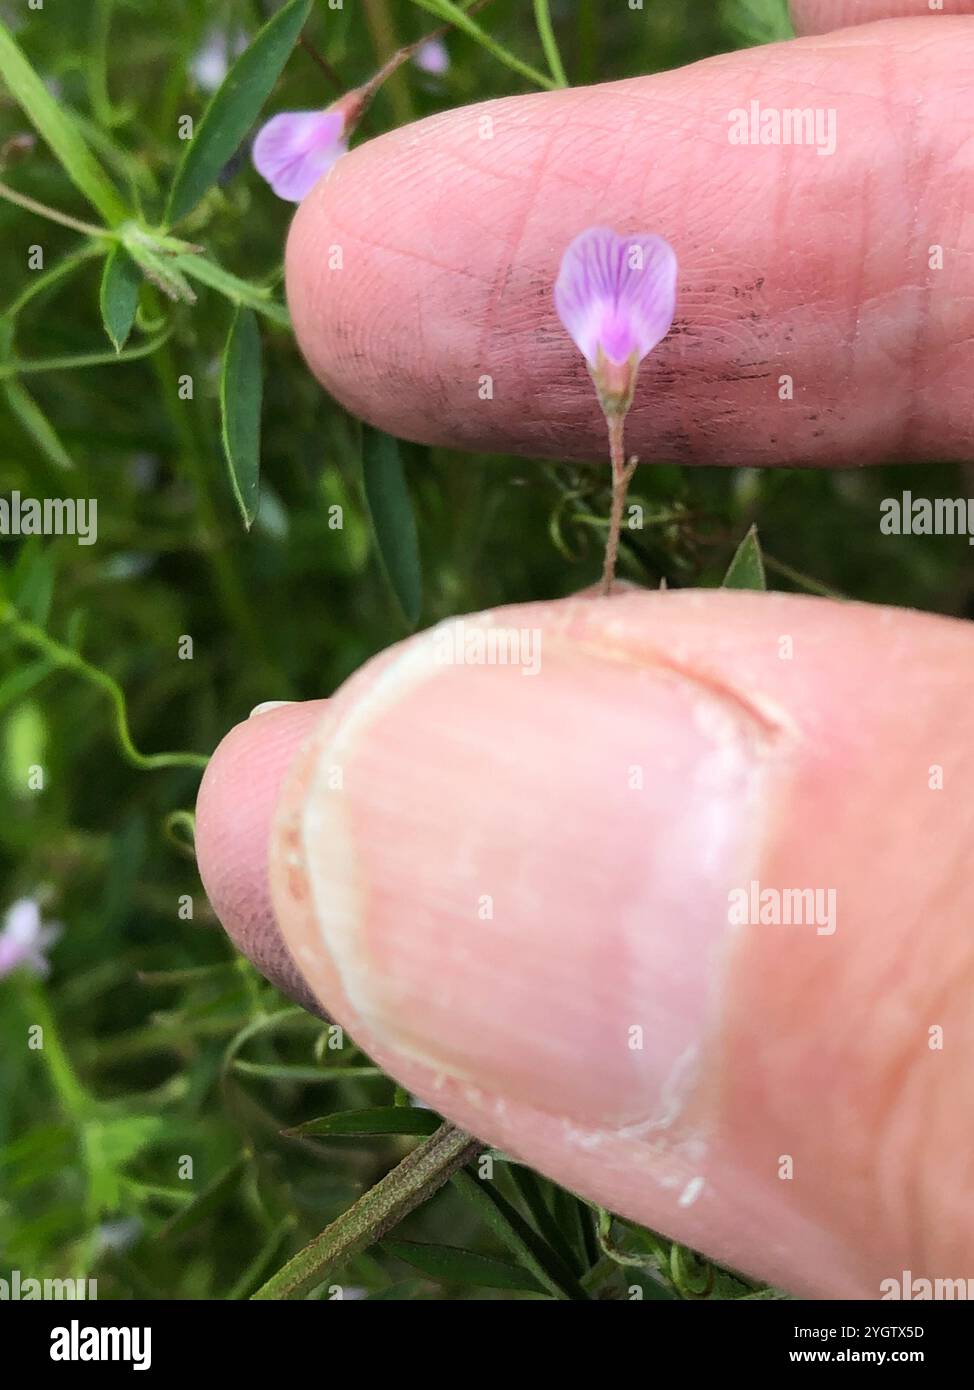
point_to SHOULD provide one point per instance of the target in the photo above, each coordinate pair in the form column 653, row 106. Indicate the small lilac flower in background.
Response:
column 432, row 57
column 295, row 148
column 211, row 61
column 616, row 296
column 24, row 938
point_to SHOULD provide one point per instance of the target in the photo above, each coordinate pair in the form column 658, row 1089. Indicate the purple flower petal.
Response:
column 617, row 293
column 24, row 938
column 295, row 148
column 432, row 57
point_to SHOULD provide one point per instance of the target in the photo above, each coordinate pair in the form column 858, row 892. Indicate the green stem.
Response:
column 542, row 18
column 654, row 1262
column 383, row 31
column 184, row 843
column 47, row 279
column 68, row 660
column 26, row 366
column 98, row 64
column 238, row 291
column 804, row 581
column 73, row 1097
column 259, row 1025
column 445, row 9
column 621, row 477
column 53, row 215
column 421, row 1173
column 270, row 1071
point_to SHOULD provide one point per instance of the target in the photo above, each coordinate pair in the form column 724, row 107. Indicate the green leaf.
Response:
column 524, row 1243
column 36, row 423
column 235, row 106
column 32, row 581
column 214, row 1195
column 452, row 1266
column 531, row 1190
column 20, row 682
column 108, row 1145
column 405, row 1291
column 58, row 129
column 393, row 522
column 384, row 1119
column 241, row 386
column 119, row 296
column 746, row 570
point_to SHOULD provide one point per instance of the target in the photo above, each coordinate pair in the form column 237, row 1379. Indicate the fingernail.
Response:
column 268, row 704
column 524, row 883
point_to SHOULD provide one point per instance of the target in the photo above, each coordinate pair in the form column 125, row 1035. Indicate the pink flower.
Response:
column 25, row 938
column 295, row 148
column 616, row 296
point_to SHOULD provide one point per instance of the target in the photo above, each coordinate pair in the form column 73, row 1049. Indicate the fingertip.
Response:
column 822, row 16
column 520, row 890
column 234, row 810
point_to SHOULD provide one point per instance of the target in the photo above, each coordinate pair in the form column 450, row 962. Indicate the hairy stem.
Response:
column 383, row 31
column 53, row 215
column 425, row 1169
column 621, row 477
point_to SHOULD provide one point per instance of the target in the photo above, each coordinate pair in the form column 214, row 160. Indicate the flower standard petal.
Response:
column 293, row 149
column 616, row 296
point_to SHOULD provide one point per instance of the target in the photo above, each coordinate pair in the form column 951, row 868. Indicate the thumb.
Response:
column 681, row 919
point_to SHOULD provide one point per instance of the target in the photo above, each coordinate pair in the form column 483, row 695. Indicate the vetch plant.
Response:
column 616, row 296
column 122, row 1052
column 294, row 149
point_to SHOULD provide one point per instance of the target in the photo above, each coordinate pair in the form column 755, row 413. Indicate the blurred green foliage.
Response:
column 159, row 1042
